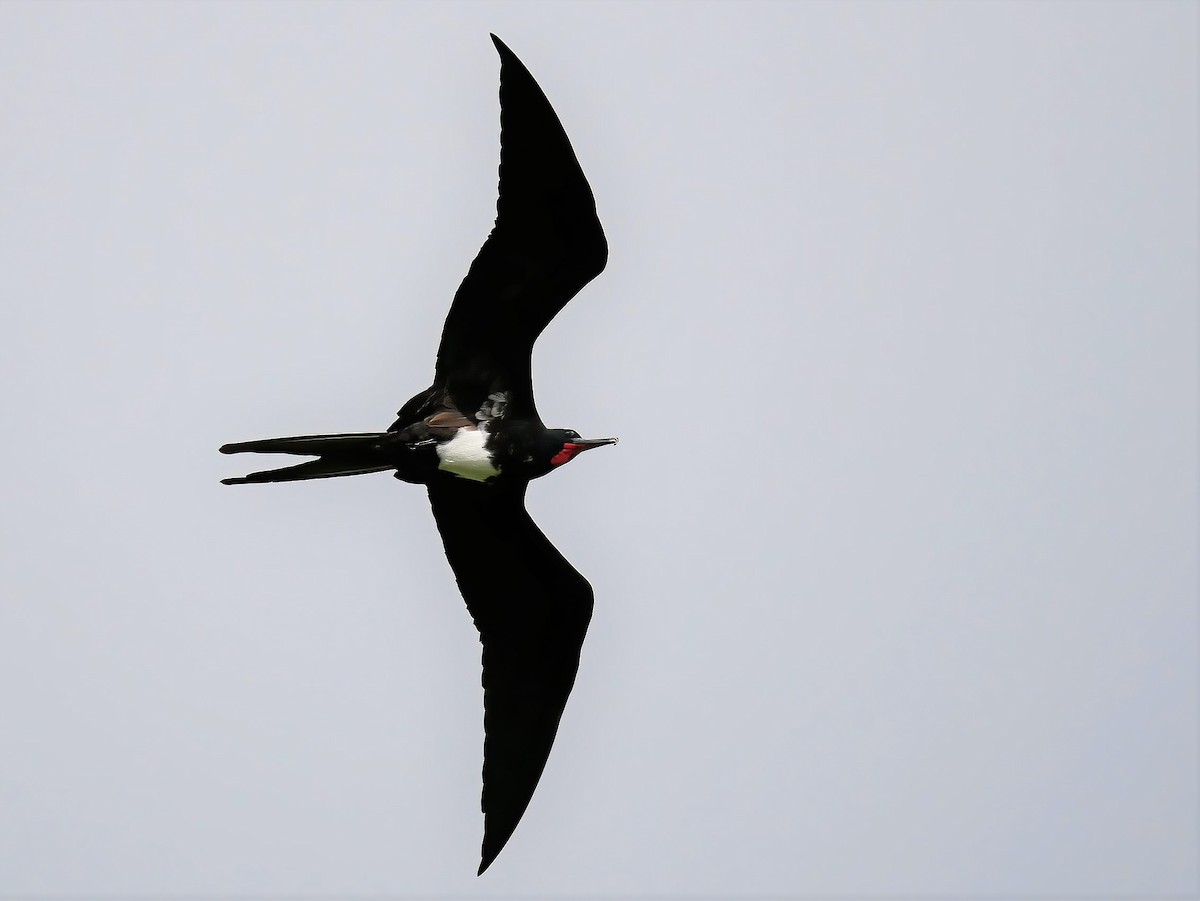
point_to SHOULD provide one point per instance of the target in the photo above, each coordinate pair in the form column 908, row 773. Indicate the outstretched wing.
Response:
column 532, row 611
column 546, row 245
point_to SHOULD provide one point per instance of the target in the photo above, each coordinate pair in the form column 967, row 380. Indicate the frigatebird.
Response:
column 474, row 440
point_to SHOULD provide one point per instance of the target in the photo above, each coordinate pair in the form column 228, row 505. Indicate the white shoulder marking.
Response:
column 494, row 407
column 465, row 455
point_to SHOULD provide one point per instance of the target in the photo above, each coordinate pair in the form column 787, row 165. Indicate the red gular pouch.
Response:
column 571, row 448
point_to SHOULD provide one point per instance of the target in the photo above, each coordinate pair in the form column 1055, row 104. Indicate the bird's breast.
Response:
column 466, row 455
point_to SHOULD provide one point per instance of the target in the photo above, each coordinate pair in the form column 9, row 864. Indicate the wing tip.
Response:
column 491, row 850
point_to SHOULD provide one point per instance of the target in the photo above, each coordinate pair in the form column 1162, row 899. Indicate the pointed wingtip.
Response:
column 501, row 47
column 487, row 859
column 495, row 838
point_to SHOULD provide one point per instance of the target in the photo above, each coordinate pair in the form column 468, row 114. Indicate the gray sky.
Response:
column 895, row 564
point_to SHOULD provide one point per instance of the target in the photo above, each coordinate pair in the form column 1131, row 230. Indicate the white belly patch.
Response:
column 465, row 455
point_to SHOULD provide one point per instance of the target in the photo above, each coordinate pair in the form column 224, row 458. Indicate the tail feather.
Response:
column 348, row 454
column 313, row 469
column 312, row 445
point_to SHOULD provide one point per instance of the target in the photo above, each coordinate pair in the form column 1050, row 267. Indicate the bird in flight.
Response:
column 475, row 441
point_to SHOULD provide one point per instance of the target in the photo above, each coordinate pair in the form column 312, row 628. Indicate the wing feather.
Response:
column 546, row 245
column 532, row 610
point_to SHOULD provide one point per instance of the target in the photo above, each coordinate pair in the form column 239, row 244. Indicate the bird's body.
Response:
column 475, row 440
column 467, row 455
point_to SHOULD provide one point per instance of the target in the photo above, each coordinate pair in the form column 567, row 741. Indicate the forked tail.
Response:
column 340, row 455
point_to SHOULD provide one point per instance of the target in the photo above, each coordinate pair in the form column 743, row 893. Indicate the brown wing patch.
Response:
column 445, row 423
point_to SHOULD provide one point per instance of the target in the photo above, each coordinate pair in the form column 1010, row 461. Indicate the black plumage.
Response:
column 475, row 440
column 547, row 244
column 532, row 612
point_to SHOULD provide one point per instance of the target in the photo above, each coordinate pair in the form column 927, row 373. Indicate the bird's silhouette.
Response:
column 475, row 440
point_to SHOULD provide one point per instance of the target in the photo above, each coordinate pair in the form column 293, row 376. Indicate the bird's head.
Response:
column 529, row 451
column 565, row 444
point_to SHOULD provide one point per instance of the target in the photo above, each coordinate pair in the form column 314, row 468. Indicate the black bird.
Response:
column 475, row 440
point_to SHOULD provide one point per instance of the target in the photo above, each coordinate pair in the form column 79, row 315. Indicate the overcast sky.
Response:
column 895, row 565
